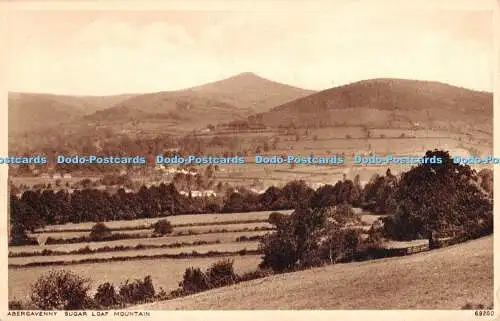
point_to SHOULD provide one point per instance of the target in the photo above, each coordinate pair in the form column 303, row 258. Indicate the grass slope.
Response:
column 447, row 278
column 29, row 111
column 390, row 103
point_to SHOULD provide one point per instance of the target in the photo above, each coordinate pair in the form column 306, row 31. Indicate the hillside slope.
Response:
column 248, row 90
column 33, row 111
column 389, row 103
column 446, row 278
column 225, row 100
column 182, row 107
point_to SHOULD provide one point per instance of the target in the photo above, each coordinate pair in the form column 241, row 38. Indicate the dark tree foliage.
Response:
column 221, row 273
column 194, row 280
column 61, row 290
column 137, row 291
column 100, row 232
column 275, row 218
column 162, row 227
column 340, row 244
column 295, row 243
column 378, row 194
column 442, row 198
column 106, row 296
column 297, row 193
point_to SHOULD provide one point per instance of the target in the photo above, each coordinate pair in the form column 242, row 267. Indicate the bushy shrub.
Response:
column 275, row 218
column 162, row 227
column 100, row 232
column 221, row 273
column 340, row 245
column 106, row 296
column 295, row 242
column 19, row 236
column 194, row 280
column 61, row 290
column 138, row 291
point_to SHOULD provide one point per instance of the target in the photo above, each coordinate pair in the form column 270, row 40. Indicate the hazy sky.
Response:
column 110, row 52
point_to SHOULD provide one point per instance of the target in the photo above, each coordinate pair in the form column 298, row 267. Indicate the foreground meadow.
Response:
column 446, row 278
column 166, row 273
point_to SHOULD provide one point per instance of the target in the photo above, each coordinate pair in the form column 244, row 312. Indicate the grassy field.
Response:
column 165, row 273
column 226, row 237
column 225, row 247
column 175, row 220
column 446, row 278
column 147, row 232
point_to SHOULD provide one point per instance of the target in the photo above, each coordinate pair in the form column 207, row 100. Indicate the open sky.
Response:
column 315, row 46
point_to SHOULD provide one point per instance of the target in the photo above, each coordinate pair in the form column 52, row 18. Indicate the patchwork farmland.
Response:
column 120, row 255
column 221, row 233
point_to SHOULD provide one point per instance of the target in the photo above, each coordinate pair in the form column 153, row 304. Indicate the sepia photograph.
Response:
column 276, row 155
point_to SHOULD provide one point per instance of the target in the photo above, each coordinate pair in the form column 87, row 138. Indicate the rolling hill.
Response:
column 248, row 90
column 446, row 278
column 389, row 103
column 33, row 111
column 226, row 100
column 178, row 108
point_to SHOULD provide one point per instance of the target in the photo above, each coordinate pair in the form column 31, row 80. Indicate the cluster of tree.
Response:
column 378, row 193
column 441, row 193
column 114, row 179
column 219, row 274
column 428, row 200
column 66, row 290
column 448, row 199
column 310, row 237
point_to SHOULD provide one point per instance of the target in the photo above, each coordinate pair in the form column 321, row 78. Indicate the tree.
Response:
column 106, row 296
column 340, row 244
column 162, row 227
column 275, row 218
column 297, row 193
column 137, row 291
column 486, row 180
column 295, row 242
column 61, row 290
column 100, row 232
column 221, row 273
column 440, row 198
column 194, row 280
column 378, row 194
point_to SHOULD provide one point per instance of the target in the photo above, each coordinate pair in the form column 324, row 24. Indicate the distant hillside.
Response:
column 174, row 106
column 446, row 278
column 248, row 90
column 32, row 111
column 389, row 103
column 222, row 101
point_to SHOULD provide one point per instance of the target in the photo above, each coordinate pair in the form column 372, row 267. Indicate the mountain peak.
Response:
column 247, row 74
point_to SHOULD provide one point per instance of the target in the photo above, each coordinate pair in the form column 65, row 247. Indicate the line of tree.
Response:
column 383, row 194
column 429, row 201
